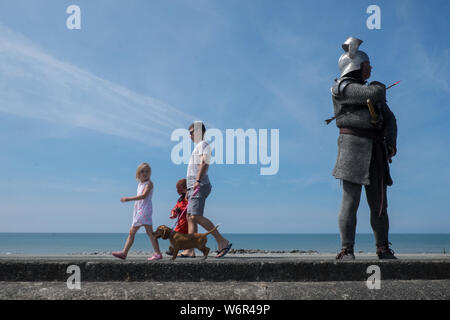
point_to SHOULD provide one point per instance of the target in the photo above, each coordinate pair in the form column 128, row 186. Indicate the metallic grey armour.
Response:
column 354, row 153
column 362, row 156
column 352, row 58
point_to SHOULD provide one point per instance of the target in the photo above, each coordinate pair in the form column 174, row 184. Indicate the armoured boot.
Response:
column 384, row 252
column 346, row 255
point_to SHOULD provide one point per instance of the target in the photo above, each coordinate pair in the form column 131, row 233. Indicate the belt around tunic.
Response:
column 365, row 133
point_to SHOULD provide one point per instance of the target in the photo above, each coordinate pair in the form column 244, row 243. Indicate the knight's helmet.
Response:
column 352, row 58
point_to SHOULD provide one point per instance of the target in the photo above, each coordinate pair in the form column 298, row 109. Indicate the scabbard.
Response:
column 373, row 114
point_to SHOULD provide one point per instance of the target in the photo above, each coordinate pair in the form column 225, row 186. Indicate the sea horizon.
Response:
column 43, row 243
column 142, row 231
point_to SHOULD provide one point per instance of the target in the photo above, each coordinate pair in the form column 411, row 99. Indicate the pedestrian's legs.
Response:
column 130, row 240
column 351, row 195
column 153, row 240
column 380, row 224
column 196, row 204
column 208, row 225
column 192, row 225
column 192, row 228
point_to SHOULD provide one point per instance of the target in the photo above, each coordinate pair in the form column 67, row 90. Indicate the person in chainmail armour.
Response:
column 366, row 143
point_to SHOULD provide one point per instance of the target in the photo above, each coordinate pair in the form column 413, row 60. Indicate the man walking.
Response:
column 197, row 178
column 367, row 141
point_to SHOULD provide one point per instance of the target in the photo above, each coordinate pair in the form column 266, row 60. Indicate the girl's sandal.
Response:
column 155, row 256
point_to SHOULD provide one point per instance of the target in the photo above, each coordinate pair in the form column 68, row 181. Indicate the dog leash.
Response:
column 185, row 209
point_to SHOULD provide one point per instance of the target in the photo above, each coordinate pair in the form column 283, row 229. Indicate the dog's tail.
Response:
column 212, row 230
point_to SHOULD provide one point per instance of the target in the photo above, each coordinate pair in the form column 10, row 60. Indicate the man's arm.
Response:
column 202, row 167
column 356, row 93
column 205, row 159
column 390, row 129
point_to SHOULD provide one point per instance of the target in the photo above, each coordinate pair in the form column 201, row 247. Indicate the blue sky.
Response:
column 80, row 109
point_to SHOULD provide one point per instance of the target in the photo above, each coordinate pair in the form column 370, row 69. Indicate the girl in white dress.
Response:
column 142, row 214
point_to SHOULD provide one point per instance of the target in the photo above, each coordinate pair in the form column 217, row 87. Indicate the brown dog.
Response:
column 182, row 241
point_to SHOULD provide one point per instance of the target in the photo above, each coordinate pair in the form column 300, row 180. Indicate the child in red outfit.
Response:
column 179, row 211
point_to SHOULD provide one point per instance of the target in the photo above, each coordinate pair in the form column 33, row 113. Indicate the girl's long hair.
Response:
column 142, row 166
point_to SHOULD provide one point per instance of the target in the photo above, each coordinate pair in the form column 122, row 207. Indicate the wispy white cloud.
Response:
column 433, row 66
column 52, row 185
column 35, row 84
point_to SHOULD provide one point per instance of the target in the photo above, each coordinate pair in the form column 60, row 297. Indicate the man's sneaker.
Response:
column 385, row 252
column 345, row 254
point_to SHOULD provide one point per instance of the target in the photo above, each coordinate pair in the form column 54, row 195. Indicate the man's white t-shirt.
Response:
column 201, row 149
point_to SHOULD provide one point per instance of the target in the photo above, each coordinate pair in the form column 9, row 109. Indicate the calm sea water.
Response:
column 70, row 243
